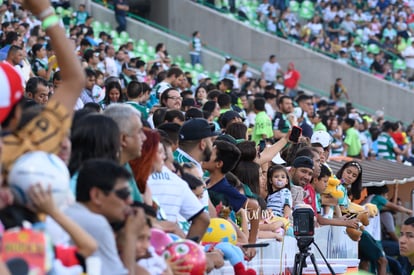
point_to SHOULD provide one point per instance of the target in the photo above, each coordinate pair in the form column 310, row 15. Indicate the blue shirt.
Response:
column 235, row 199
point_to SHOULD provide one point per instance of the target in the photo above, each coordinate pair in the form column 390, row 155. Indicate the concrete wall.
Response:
column 137, row 30
column 318, row 71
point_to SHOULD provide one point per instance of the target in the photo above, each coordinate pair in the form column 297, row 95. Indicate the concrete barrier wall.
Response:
column 318, row 71
column 137, row 30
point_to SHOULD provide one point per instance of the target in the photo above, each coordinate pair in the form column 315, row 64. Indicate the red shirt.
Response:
column 310, row 196
column 291, row 79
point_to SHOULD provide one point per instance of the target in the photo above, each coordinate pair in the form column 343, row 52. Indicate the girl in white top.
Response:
column 278, row 186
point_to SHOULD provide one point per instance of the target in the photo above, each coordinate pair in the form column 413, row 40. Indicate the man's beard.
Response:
column 207, row 154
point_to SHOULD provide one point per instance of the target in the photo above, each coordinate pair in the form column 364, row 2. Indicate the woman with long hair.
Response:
column 151, row 160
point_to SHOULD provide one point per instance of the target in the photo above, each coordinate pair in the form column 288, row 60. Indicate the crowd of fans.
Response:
column 149, row 147
column 374, row 36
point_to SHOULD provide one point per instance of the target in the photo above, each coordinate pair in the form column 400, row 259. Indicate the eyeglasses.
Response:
column 122, row 194
column 175, row 97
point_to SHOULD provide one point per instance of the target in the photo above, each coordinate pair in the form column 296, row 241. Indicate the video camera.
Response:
column 303, row 222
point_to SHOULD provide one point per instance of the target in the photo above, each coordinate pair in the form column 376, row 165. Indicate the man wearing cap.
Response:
column 322, row 139
column 300, row 173
column 195, row 143
column 228, row 118
column 47, row 130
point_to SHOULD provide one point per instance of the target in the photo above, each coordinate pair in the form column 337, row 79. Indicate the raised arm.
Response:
column 73, row 78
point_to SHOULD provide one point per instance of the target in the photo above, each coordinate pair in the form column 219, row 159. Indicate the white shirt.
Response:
column 224, row 70
column 111, row 67
column 270, row 71
column 409, row 61
column 174, row 195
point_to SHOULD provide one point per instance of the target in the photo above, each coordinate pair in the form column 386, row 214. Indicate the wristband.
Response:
column 49, row 11
column 50, row 21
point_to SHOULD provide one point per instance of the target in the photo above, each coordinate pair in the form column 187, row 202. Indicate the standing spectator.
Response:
column 337, row 90
column 408, row 54
column 195, row 48
column 270, row 69
column 387, row 147
column 226, row 67
column 292, row 77
column 121, row 9
column 352, row 143
column 263, row 125
column 80, row 15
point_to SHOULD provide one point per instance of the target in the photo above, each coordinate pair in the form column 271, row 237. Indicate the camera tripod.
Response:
column 300, row 257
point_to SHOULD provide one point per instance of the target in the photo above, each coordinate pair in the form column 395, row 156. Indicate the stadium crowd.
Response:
column 374, row 36
column 150, row 148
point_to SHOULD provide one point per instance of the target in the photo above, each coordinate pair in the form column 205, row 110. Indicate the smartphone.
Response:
column 255, row 245
column 295, row 133
column 262, row 145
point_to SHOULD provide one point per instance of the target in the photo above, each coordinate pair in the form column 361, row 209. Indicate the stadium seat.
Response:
column 306, row 13
column 188, row 67
column 179, row 60
column 307, row 4
column 150, row 51
column 198, row 68
column 113, row 34
column 107, row 26
column 373, row 48
column 399, row 64
column 124, row 35
column 294, row 6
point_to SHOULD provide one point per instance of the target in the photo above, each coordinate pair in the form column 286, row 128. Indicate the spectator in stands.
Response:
column 408, row 54
column 223, row 158
column 292, row 78
column 338, row 90
column 173, row 78
column 103, row 197
column 406, row 242
column 131, row 135
column 121, row 9
column 37, row 89
column 387, row 147
column 270, row 69
column 57, row 112
column 352, row 144
column 226, row 67
column 171, row 99
column 196, row 45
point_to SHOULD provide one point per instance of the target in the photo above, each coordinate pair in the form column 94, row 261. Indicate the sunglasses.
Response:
column 122, row 194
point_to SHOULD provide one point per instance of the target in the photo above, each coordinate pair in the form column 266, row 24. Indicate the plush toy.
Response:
column 363, row 213
column 221, row 235
column 332, row 188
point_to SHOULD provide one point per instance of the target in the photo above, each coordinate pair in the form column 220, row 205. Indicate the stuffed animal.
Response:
column 332, row 188
column 363, row 213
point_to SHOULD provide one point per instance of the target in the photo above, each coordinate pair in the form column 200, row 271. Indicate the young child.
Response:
column 280, row 197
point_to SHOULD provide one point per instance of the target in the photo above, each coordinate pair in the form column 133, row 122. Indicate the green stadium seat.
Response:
column 114, row 34
column 188, row 67
column 399, row 64
column 294, row 6
column 179, row 60
column 198, row 68
column 150, row 51
column 373, row 48
column 307, row 4
column 107, row 26
column 306, row 13
column 124, row 35
column 142, row 43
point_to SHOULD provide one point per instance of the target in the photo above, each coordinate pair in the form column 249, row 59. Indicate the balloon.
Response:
column 190, row 252
column 159, row 240
column 220, row 230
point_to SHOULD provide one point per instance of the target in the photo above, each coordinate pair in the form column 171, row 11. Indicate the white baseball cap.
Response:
column 321, row 137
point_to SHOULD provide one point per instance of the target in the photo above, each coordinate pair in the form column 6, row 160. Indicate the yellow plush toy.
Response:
column 332, row 188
